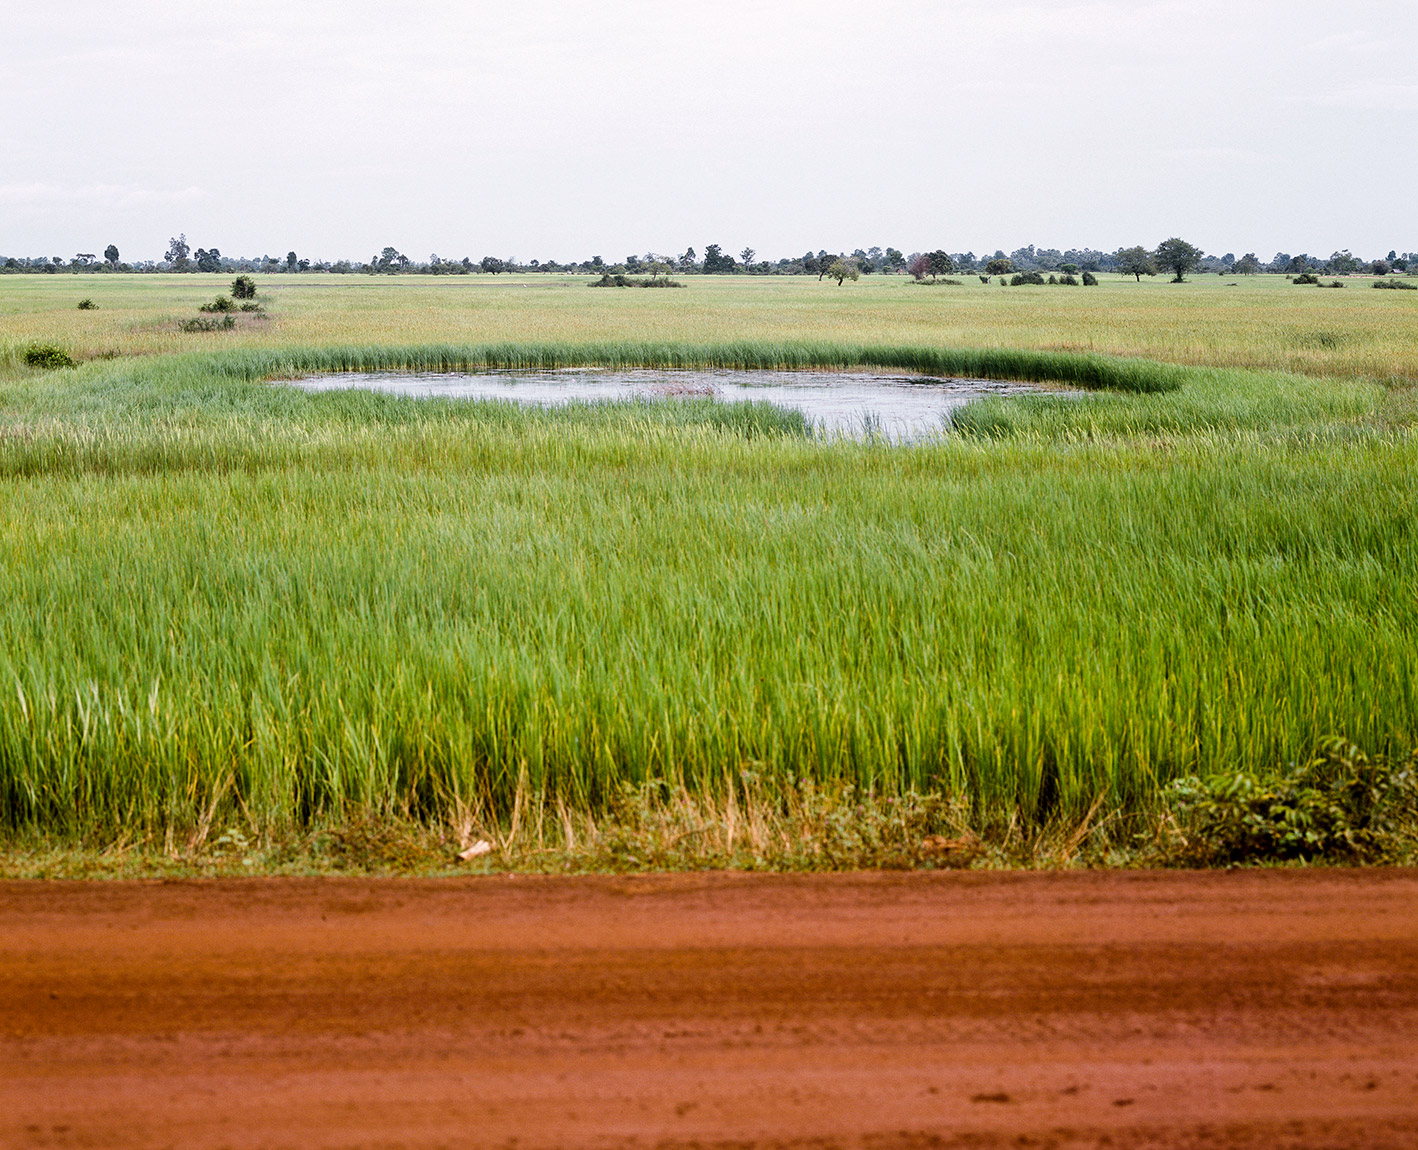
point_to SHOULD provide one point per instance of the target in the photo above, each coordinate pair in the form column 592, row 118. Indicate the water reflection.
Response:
column 855, row 404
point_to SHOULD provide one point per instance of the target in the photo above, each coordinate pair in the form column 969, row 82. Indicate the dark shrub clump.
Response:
column 1307, row 278
column 47, row 355
column 226, row 323
column 619, row 280
column 89, row 305
column 1090, row 280
column 220, row 304
column 243, row 287
column 1021, row 278
column 1395, row 284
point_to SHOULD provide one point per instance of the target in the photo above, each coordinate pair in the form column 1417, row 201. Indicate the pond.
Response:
column 854, row 404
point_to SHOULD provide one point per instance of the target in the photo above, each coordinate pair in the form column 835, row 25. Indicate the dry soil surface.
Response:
column 1133, row 1010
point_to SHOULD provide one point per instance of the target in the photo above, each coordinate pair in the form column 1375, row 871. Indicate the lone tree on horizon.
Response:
column 940, row 263
column 177, row 252
column 1135, row 262
column 1179, row 257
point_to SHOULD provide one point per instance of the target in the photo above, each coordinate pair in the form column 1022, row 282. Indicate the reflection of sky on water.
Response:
column 901, row 408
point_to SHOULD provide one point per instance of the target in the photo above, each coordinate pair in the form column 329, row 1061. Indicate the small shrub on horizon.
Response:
column 1307, row 278
column 619, row 279
column 1021, row 278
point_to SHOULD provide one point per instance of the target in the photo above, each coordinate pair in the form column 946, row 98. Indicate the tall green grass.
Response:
column 224, row 595
column 1083, row 370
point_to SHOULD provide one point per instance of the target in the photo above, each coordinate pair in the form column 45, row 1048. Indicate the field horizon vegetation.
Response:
column 249, row 628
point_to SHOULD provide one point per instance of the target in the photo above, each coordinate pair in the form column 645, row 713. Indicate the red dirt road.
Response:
column 1133, row 1010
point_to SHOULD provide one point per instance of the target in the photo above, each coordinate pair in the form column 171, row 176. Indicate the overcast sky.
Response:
column 567, row 128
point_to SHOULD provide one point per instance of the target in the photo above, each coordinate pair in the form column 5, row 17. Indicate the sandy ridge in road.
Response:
column 1275, row 1009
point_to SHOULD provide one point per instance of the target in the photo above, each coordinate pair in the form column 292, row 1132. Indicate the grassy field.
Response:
column 232, row 612
column 1257, row 322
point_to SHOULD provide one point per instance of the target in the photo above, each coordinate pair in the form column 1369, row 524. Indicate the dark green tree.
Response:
column 715, row 262
column 1135, row 261
column 1177, row 256
column 209, row 260
column 177, row 253
column 1342, row 263
column 940, row 262
column 110, row 253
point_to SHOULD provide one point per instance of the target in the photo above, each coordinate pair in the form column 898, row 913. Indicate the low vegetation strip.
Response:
column 1079, row 369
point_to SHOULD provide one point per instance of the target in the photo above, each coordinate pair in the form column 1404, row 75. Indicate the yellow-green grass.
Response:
column 298, row 606
column 1258, row 321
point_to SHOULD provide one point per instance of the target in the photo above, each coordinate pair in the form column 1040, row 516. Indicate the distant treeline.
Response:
column 1138, row 260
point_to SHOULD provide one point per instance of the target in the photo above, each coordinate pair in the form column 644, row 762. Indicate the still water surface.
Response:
column 900, row 408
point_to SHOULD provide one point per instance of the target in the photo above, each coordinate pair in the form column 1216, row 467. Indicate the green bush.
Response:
column 1392, row 285
column 1090, row 280
column 1026, row 278
column 618, row 280
column 1307, row 278
column 1341, row 805
column 89, row 305
column 220, row 304
column 1070, row 280
column 226, row 323
column 47, row 355
column 243, row 287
